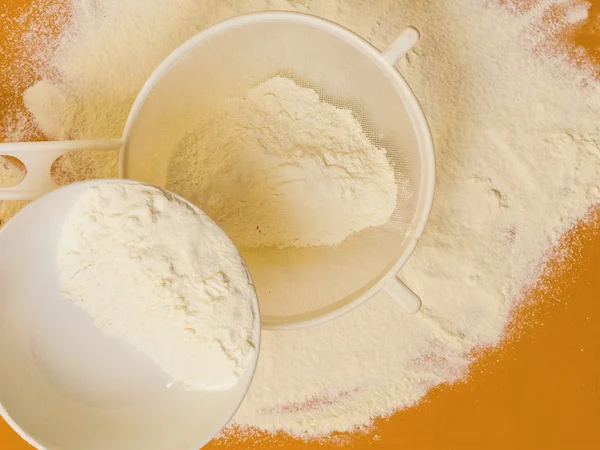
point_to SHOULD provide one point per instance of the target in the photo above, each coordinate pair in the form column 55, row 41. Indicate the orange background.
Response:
column 539, row 390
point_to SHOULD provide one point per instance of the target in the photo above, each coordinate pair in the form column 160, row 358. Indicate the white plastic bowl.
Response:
column 63, row 384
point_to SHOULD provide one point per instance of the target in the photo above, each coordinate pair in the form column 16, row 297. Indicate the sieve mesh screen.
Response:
column 293, row 284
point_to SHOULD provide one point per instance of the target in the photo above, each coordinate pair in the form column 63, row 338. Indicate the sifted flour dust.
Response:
column 10, row 175
column 517, row 143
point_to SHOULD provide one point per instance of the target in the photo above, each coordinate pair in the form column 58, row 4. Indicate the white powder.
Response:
column 10, row 175
column 282, row 168
column 578, row 13
column 49, row 106
column 517, row 143
column 151, row 270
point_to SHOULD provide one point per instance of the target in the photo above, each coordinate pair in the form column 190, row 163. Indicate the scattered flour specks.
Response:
column 517, row 140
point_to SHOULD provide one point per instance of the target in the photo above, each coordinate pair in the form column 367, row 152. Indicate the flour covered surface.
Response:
column 281, row 168
column 516, row 134
column 154, row 271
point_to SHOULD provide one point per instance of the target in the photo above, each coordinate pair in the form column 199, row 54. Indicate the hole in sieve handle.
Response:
column 38, row 158
column 403, row 295
column 401, row 45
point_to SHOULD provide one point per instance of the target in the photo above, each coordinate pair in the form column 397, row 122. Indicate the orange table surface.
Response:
column 540, row 389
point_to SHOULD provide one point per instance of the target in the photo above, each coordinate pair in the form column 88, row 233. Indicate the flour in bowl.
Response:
column 154, row 271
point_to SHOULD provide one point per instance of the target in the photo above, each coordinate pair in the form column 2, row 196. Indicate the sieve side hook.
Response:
column 402, row 294
column 401, row 46
column 38, row 158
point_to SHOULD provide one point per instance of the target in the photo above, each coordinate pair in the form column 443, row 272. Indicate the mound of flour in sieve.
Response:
column 153, row 271
column 517, row 152
column 282, row 168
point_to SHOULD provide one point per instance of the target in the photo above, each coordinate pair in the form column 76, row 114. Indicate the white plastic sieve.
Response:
column 296, row 287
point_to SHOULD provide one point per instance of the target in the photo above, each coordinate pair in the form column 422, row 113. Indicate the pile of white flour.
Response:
column 281, row 168
column 164, row 277
column 517, row 138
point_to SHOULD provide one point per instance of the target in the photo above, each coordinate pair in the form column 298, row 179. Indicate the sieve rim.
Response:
column 417, row 118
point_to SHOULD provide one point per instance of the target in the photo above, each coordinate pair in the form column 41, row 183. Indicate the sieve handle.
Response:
column 38, row 158
column 401, row 46
column 403, row 295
